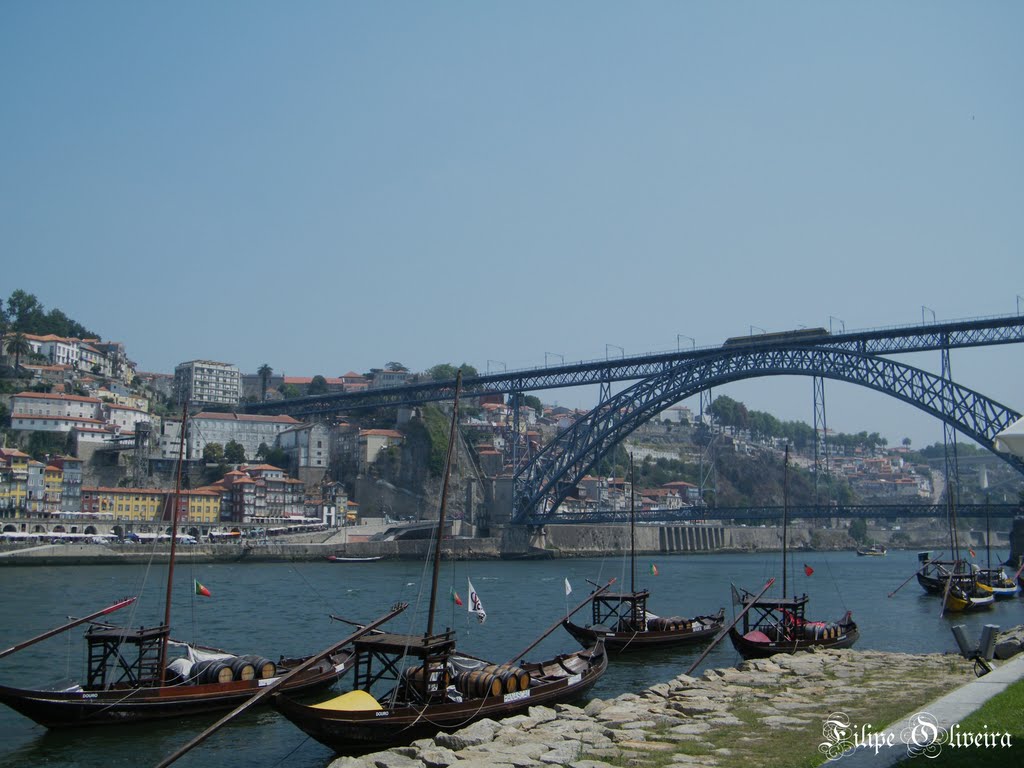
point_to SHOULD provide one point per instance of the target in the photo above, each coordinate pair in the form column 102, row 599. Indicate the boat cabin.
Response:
column 416, row 663
column 623, row 612
column 120, row 657
column 777, row 618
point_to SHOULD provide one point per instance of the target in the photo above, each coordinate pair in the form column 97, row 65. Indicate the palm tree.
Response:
column 264, row 372
column 18, row 345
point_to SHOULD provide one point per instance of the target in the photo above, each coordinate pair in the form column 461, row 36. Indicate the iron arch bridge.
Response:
column 554, row 472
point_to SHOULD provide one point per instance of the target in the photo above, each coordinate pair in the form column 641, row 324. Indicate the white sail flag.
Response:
column 475, row 606
column 568, row 588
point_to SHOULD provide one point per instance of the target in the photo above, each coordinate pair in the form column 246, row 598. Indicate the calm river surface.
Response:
column 275, row 609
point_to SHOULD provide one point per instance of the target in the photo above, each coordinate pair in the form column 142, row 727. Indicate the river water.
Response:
column 275, row 609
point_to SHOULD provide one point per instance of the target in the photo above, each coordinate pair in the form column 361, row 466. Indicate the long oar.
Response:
column 64, row 627
column 901, row 586
column 724, row 632
column 558, row 623
column 397, row 609
column 945, row 594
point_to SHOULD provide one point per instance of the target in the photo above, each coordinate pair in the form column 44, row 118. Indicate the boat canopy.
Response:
column 1011, row 439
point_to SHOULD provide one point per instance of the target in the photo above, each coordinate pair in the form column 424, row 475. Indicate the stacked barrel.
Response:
column 492, row 680
column 669, row 624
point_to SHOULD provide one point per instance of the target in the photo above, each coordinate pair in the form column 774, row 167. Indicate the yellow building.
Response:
column 13, row 478
column 53, row 489
column 152, row 504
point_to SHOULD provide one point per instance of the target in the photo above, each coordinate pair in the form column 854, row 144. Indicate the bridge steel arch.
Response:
column 550, row 476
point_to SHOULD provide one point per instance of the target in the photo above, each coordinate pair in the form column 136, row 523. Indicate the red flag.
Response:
column 972, row 552
column 455, row 596
column 807, row 569
column 201, row 590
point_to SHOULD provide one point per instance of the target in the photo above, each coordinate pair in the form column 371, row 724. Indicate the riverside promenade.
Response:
column 768, row 712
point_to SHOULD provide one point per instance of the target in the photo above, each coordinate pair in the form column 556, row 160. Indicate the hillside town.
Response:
column 88, row 434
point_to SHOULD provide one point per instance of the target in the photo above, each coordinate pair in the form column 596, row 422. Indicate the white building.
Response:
column 42, row 412
column 308, row 448
column 207, row 382
column 248, row 430
column 124, row 417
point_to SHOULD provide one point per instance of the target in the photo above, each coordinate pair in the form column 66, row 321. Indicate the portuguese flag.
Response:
column 654, row 570
column 455, row 596
column 201, row 590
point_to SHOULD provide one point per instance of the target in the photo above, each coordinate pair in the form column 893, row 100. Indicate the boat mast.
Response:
column 174, row 540
column 444, row 503
column 785, row 515
column 632, row 526
column 988, row 527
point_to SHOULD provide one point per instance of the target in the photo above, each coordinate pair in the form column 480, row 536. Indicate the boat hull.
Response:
column 618, row 642
column 85, row 708
column 359, row 732
column 749, row 649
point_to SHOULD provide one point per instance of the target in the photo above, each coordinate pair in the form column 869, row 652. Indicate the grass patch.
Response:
column 1003, row 713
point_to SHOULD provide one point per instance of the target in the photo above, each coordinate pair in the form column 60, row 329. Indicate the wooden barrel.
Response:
column 264, row 669
column 507, row 676
column 524, row 679
column 478, row 683
column 209, row 672
column 438, row 680
column 242, row 669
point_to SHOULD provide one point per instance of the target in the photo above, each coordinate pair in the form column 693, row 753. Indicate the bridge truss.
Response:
column 558, row 468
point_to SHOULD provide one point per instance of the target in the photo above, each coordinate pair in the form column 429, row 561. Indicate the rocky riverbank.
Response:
column 768, row 712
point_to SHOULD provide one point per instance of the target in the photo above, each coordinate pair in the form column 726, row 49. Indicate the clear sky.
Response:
column 329, row 186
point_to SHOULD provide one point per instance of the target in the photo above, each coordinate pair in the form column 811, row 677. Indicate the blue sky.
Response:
column 329, row 186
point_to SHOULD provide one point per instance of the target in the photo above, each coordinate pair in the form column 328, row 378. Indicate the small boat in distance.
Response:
column 876, row 550
column 625, row 624
column 340, row 559
column 780, row 625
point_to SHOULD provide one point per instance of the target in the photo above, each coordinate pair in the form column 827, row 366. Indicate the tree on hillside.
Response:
column 25, row 313
column 532, row 401
column 859, row 530
column 317, row 386
column 442, row 372
column 234, row 452
column 276, row 457
column 18, row 345
column 42, row 445
column 447, row 371
column 213, row 453
column 730, row 412
column 395, row 366
column 264, row 372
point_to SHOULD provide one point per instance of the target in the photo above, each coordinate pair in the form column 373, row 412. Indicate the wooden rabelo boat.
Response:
column 956, row 581
column 625, row 624
column 435, row 689
column 140, row 673
column 995, row 579
column 780, row 625
column 427, row 686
